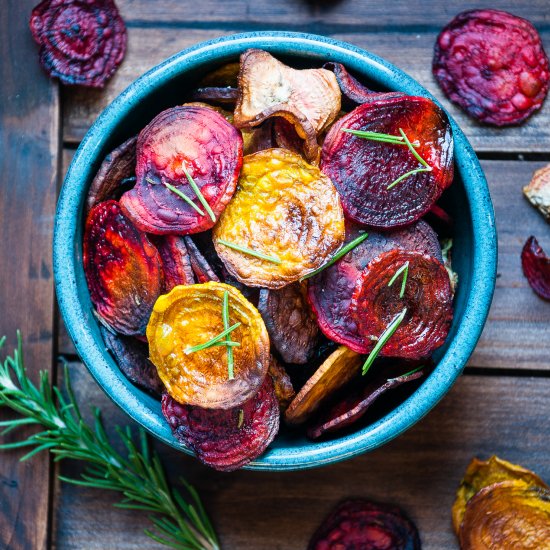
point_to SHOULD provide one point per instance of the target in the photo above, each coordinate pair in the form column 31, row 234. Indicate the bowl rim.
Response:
column 483, row 263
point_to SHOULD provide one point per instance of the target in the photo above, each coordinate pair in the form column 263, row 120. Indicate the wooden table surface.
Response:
column 500, row 405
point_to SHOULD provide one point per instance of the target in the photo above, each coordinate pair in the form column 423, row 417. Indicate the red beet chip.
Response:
column 493, row 65
column 226, row 439
column 359, row 524
column 187, row 138
column 132, row 357
column 365, row 171
column 117, row 168
column 427, row 298
column 536, row 267
column 122, row 267
column 176, row 262
column 330, row 292
column 82, row 42
column 353, row 406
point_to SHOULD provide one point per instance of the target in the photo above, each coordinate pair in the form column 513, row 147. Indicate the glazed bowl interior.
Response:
column 468, row 202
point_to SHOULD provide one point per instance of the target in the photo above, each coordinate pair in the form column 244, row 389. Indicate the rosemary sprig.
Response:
column 197, row 192
column 384, row 337
column 407, row 373
column 406, row 175
column 342, row 252
column 137, row 474
column 405, row 270
column 249, row 251
column 378, row 136
column 179, row 193
column 213, row 341
column 225, row 316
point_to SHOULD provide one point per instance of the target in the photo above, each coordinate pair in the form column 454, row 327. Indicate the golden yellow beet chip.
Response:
column 507, row 516
column 481, row 473
column 338, row 369
column 193, row 315
column 284, row 221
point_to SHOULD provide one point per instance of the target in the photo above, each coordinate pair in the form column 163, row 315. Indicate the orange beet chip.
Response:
column 192, row 315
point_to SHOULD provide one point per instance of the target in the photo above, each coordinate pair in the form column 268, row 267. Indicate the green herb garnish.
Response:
column 384, row 337
column 138, row 474
column 225, row 316
column 249, row 251
column 179, row 193
column 405, row 270
column 406, row 175
column 342, row 252
column 407, row 373
column 197, row 191
column 378, row 136
column 213, row 341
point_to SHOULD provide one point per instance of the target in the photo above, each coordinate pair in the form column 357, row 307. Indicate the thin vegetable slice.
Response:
column 190, row 316
column 337, row 370
column 493, row 65
column 508, row 516
column 282, row 384
column 290, row 323
column 187, row 150
column 482, row 473
column 176, row 263
column 330, row 292
column 226, row 439
column 82, row 42
column 538, row 191
column 308, row 98
column 199, row 264
column 536, row 267
column 115, row 171
column 354, row 406
column 366, row 525
column 123, row 269
column 132, row 357
column 427, row 299
column 222, row 96
column 384, row 184
column 284, row 221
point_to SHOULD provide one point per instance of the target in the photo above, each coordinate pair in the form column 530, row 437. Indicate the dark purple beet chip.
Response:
column 493, row 65
column 330, row 291
column 200, row 266
column 176, row 262
column 536, row 267
column 132, row 357
column 286, row 137
column 290, row 323
column 82, row 42
column 363, row 169
column 109, row 182
column 354, row 405
column 223, row 96
column 359, row 524
column 226, row 439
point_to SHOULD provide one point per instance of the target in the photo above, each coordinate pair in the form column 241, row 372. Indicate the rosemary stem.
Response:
column 225, row 316
column 405, row 270
column 406, row 175
column 197, row 191
column 249, row 251
column 213, row 341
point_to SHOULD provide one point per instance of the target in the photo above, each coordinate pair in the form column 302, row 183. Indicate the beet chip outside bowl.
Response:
column 166, row 85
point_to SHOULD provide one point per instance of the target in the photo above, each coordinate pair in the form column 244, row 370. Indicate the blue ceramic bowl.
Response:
column 468, row 200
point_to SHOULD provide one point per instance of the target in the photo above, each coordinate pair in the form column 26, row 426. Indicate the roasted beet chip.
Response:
column 291, row 325
column 114, row 173
column 493, row 65
column 122, row 267
column 132, row 357
column 199, row 264
column 282, row 384
column 352, row 89
column 358, row 524
column 226, row 439
column 222, row 96
column 176, row 262
column 258, row 138
column 188, row 162
column 286, row 136
column 354, row 406
column 409, row 284
column 536, row 267
column 538, row 191
column 82, row 42
column 381, row 181
column 330, row 291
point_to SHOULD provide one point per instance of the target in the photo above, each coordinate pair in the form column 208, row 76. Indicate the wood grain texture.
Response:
column 29, row 143
column 148, row 46
column 420, row 470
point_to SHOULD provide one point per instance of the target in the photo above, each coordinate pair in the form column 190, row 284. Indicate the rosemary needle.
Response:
column 405, row 270
column 213, row 341
column 384, row 337
column 225, row 316
column 197, row 191
column 249, row 251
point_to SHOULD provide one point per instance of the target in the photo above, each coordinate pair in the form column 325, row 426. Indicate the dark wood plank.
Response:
column 420, row 470
column 29, row 140
column 411, row 51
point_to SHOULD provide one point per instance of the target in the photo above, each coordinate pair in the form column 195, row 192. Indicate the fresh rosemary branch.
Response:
column 213, row 341
column 197, row 192
column 249, row 251
column 405, row 270
column 225, row 316
column 342, row 252
column 137, row 474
